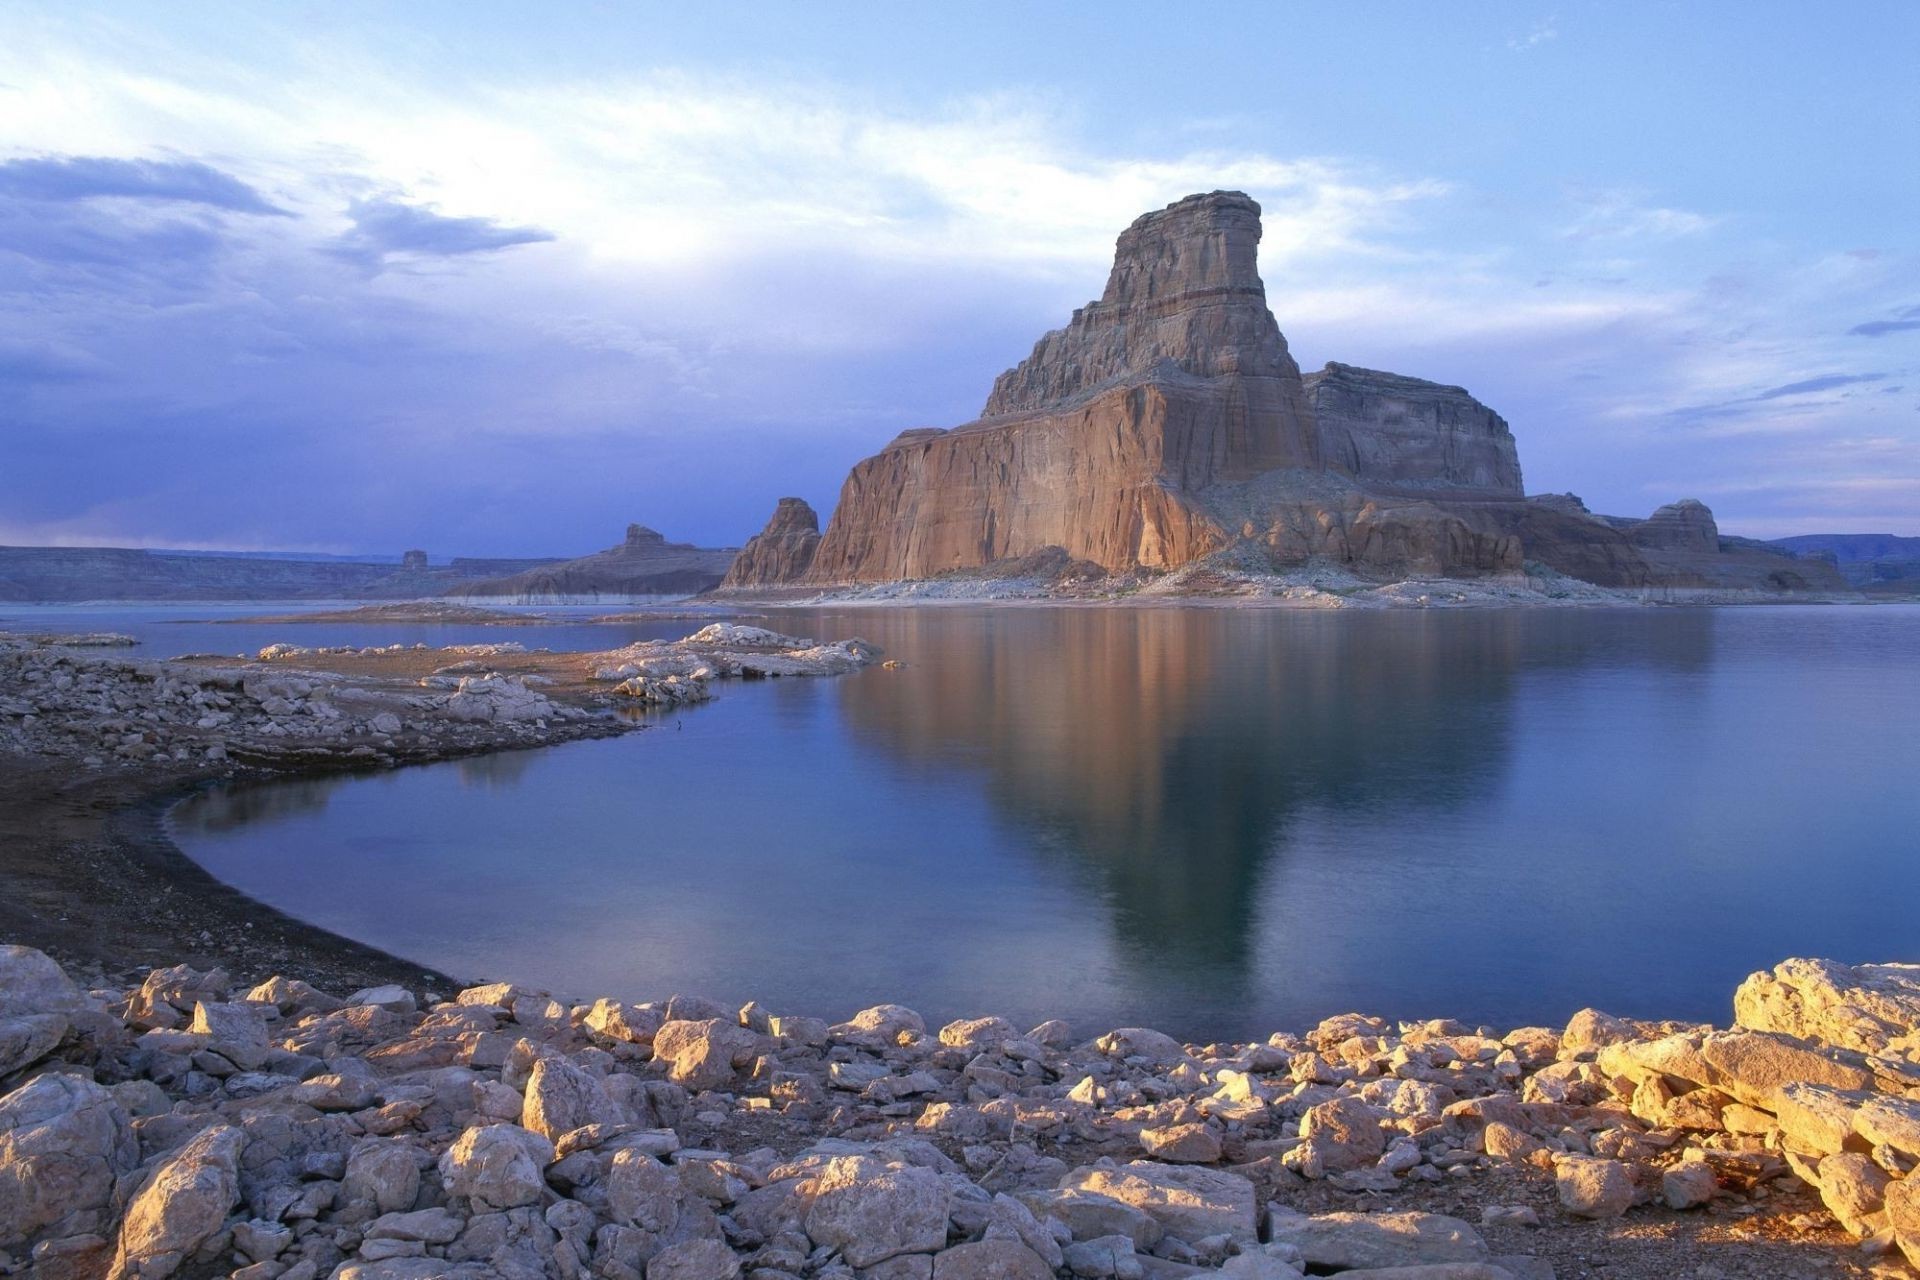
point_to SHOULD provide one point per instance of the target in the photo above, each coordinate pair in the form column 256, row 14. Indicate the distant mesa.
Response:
column 643, row 564
column 1168, row 422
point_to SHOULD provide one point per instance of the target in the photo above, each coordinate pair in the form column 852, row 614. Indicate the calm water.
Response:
column 1217, row 823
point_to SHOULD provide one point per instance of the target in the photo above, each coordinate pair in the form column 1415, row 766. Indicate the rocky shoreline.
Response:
column 195, row 1124
column 95, row 746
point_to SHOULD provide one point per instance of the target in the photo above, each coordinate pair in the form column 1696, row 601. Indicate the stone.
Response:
column 1186, row 1200
column 497, row 1166
column 885, row 1023
column 1689, row 1184
column 990, row 1260
column 1754, row 1066
column 184, row 1201
column 1870, row 1008
column 1153, row 1047
column 1091, row 1216
column 1854, row 1189
column 1181, row 1144
column 977, row 1033
column 64, row 1142
column 704, row 1054
column 1506, row 1142
column 1103, row 1257
column 1344, row 1241
column 1344, row 1132
column 618, row 1020
column 27, row 1038
column 872, row 1211
column 1903, row 1216
column 238, row 1032
column 1884, row 1120
column 1593, row 1187
column 31, row 983
column 1816, row 1119
column 694, row 1260
column 560, row 1098
column 382, row 1172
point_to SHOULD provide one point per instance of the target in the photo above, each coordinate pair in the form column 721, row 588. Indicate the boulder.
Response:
column 1153, row 1047
column 181, row 1205
column 560, row 1098
column 694, row 1260
column 1871, row 1008
column 990, row 1260
column 1343, row 1241
column 1816, row 1119
column 1187, row 1201
column 1594, row 1187
column 977, row 1033
column 64, row 1142
column 1181, row 1144
column 704, row 1054
column 1344, row 1133
column 872, row 1211
column 1884, row 1120
column 31, row 983
column 1854, row 1189
column 1689, row 1184
column 1754, row 1066
column 497, row 1166
column 1903, row 1216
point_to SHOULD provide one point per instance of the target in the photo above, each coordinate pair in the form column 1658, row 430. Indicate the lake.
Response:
column 1216, row 822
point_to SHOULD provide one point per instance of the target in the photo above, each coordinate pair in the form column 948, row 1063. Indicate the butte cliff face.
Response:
column 1175, row 380
column 1167, row 421
column 644, row 564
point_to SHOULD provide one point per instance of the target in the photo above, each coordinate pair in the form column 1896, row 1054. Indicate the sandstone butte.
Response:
column 1167, row 422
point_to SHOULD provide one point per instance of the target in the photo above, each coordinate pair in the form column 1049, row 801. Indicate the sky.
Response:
column 499, row 279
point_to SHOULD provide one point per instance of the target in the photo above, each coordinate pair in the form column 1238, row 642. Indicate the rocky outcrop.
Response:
column 644, row 564
column 1167, row 422
column 58, row 574
column 505, row 1132
column 1100, row 442
column 1392, row 432
column 781, row 552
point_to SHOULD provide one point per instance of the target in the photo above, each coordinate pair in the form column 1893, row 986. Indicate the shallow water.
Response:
column 1216, row 822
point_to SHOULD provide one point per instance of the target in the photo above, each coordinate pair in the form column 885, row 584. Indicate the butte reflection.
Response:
column 1163, row 754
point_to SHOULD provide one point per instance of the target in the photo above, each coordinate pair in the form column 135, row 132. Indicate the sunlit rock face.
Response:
column 1177, row 379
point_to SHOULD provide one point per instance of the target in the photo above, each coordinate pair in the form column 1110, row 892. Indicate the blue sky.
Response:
column 500, row 279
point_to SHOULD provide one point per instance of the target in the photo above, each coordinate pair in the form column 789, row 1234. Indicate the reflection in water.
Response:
column 1217, row 822
column 1163, row 755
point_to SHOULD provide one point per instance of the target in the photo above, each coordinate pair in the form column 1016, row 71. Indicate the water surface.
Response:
column 1216, row 822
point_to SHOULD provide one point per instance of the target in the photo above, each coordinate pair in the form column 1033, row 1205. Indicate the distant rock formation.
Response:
column 1167, row 421
column 781, row 552
column 65, row 574
column 644, row 564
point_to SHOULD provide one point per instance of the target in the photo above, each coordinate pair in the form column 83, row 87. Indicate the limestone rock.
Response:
column 560, row 1098
column 1181, row 1144
column 990, row 1260
column 1688, row 1185
column 1593, row 1187
column 1754, row 1066
column 1872, row 1008
column 872, row 1211
column 1187, row 1201
column 1854, row 1189
column 1903, row 1215
column 497, row 1166
column 704, row 1054
column 1344, row 1134
column 694, row 1260
column 185, row 1201
column 781, row 552
column 63, row 1143
column 31, row 983
column 1344, row 1241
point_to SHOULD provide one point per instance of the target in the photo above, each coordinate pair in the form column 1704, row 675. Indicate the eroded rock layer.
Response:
column 781, row 552
column 1393, row 431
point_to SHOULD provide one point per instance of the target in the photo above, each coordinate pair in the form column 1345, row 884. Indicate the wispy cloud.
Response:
column 1906, row 321
column 1542, row 33
column 109, row 177
column 386, row 228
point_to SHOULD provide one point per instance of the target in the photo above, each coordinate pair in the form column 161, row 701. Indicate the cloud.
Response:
column 1906, row 320
column 1542, row 33
column 61, row 178
column 1826, row 382
column 1619, row 216
column 387, row 228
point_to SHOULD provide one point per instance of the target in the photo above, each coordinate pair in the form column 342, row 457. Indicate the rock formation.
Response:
column 645, row 564
column 1167, row 422
column 781, row 552
column 1395, row 432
